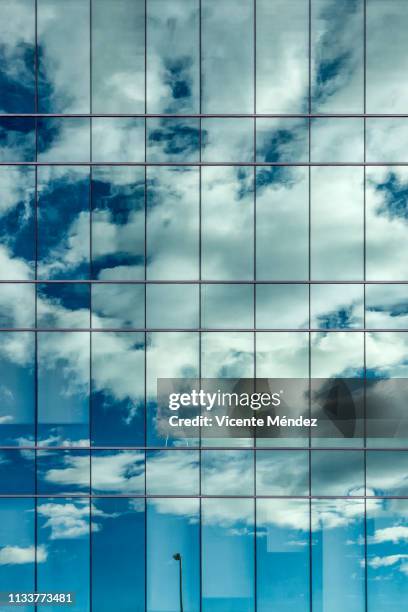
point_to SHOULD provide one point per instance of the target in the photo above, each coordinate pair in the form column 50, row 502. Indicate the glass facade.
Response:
column 199, row 188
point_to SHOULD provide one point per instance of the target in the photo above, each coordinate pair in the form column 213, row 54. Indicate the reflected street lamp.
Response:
column 177, row 557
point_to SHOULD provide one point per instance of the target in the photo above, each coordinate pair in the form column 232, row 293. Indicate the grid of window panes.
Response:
column 213, row 188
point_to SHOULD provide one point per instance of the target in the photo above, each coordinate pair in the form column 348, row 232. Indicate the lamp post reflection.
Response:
column 177, row 557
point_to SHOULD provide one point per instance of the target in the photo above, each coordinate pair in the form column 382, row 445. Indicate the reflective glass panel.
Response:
column 173, row 140
column 17, row 305
column 337, row 140
column 118, row 389
column 63, row 140
column 63, row 472
column 172, row 472
column 118, row 223
column 118, row 139
column 282, row 306
column 17, row 542
column 17, row 473
column 118, row 49
column 172, row 306
column 17, row 139
column 227, row 56
column 387, row 139
column 118, row 472
column 63, row 305
column 282, row 56
column 387, row 306
column 63, row 56
column 282, row 472
column 337, row 306
column 387, row 473
column 173, row 56
column 227, row 140
column 118, row 306
column 226, row 472
column 337, row 473
column 282, row 140
column 227, row 306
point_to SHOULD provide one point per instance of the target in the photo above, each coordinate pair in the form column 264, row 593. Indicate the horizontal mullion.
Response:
column 192, row 496
column 211, row 330
column 210, row 115
column 207, row 164
column 201, row 282
column 205, row 448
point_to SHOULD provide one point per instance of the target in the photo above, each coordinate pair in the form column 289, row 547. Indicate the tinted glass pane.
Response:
column 282, row 223
column 118, row 140
column 17, row 139
column 282, row 555
column 118, row 472
column 227, row 223
column 172, row 223
column 224, row 306
column 387, row 140
column 337, row 202
column 17, row 406
column 118, row 546
column 227, row 354
column 172, row 306
column 227, row 140
column 63, row 531
column 228, row 555
column 63, row 55
column 63, row 472
column 282, row 140
column 63, row 223
column 337, row 306
column 337, row 473
column 118, row 218
column 387, row 47
column 282, row 472
column 337, row 140
column 338, row 554
column 282, row 52
column 337, row 47
column 173, row 56
column 118, row 56
column 173, row 528
column 173, row 140
column 17, row 305
column 63, row 305
column 386, row 223
column 118, row 306
column 386, row 473
column 118, row 389
column 227, row 56
column 63, row 140
column 17, row 61
column 63, row 388
column 387, row 306
column 17, row 473
column 282, row 306
column 17, row 537
column 337, row 354
column 172, row 472
column 225, row 472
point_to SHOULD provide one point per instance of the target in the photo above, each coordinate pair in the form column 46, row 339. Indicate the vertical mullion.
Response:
column 200, row 76
column 90, row 311
column 145, row 303
column 364, row 300
column 35, row 302
column 254, row 307
column 309, row 305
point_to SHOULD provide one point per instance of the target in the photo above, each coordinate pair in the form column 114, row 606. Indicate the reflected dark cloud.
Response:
column 173, row 140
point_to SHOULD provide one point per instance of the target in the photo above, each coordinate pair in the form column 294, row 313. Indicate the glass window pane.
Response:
column 282, row 56
column 337, row 354
column 118, row 472
column 64, row 53
column 118, row 306
column 227, row 355
column 282, row 306
column 387, row 48
column 17, row 139
column 63, row 305
column 118, row 548
column 173, row 140
column 227, row 140
column 118, row 223
column 282, row 554
column 17, row 538
column 337, row 202
column 172, row 223
column 63, row 223
column 387, row 473
column 387, row 140
column 63, row 140
column 17, row 223
column 227, row 223
column 282, row 472
column 338, row 555
column 173, row 528
column 17, row 305
column 169, row 355
column 118, row 389
column 17, row 473
column 337, row 306
column 282, row 140
column 118, row 41
column 63, row 532
column 17, row 406
column 227, row 472
column 387, row 526
column 17, row 56
column 337, row 140
column 172, row 306
column 227, row 56
column 337, row 49
column 387, row 306
column 63, row 388
column 61, row 472
column 337, row 472
column 386, row 223
column 282, row 223
column 282, row 354
column 172, row 472
column 173, row 56
column 228, row 555
column 118, row 139
column 224, row 306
